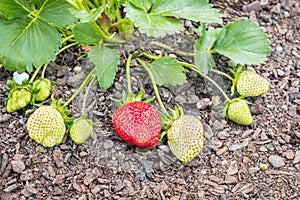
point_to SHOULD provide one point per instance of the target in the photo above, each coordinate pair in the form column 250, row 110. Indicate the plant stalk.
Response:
column 81, row 87
column 35, row 74
column 181, row 53
column 66, row 47
column 87, row 93
column 67, row 38
column 144, row 65
column 44, row 70
column 192, row 67
column 128, row 74
column 222, row 73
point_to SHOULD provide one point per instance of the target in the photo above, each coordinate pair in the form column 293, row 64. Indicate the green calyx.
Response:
column 167, row 121
column 235, row 71
column 130, row 97
column 58, row 105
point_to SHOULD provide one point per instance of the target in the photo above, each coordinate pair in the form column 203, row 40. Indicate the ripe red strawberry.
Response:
column 137, row 123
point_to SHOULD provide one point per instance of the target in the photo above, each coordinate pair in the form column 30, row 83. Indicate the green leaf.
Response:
column 39, row 3
column 29, row 38
column 12, row 9
column 167, row 71
column 84, row 33
column 57, row 12
column 157, row 19
column 95, row 15
column 25, row 42
column 196, row 10
column 244, row 42
column 106, row 61
column 153, row 25
column 204, row 61
column 203, row 57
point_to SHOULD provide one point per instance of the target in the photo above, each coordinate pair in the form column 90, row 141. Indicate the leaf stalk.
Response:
column 81, row 87
column 144, row 65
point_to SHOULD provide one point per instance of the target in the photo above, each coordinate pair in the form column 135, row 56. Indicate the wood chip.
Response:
column 246, row 188
column 277, row 172
column 222, row 151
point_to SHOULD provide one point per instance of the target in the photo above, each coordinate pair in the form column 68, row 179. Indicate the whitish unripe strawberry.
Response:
column 251, row 84
column 81, row 130
column 238, row 111
column 185, row 137
column 18, row 98
column 43, row 87
column 46, row 126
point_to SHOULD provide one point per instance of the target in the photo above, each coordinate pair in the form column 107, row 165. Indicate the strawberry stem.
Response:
column 222, row 73
column 128, row 74
column 35, row 74
column 181, row 53
column 193, row 67
column 144, row 65
column 44, row 69
column 87, row 93
column 81, row 87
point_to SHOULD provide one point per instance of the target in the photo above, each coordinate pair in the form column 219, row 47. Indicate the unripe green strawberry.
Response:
column 251, row 84
column 18, row 98
column 81, row 130
column 238, row 111
column 185, row 137
column 46, row 126
column 43, row 86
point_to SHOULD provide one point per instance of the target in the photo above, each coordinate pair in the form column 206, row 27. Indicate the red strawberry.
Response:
column 137, row 123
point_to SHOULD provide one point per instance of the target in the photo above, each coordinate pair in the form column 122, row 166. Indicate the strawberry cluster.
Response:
column 246, row 83
column 25, row 93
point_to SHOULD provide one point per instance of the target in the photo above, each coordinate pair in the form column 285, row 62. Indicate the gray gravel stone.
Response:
column 180, row 99
column 253, row 170
column 217, row 125
column 223, row 135
column 108, row 144
column 297, row 157
column 264, row 2
column 276, row 161
column 233, row 168
column 243, row 144
column 18, row 166
column 204, row 103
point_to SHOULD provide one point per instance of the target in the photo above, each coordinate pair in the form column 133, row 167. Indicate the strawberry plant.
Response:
column 49, row 123
column 34, row 32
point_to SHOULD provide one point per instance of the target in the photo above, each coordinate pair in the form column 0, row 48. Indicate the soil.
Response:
column 261, row 161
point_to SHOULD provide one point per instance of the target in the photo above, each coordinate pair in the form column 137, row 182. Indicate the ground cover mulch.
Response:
column 261, row 161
